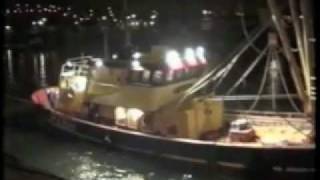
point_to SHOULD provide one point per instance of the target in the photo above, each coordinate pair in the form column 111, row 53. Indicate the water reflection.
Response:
column 43, row 70
column 10, row 67
column 35, row 68
column 74, row 159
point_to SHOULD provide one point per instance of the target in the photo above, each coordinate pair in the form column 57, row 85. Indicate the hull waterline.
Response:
column 236, row 155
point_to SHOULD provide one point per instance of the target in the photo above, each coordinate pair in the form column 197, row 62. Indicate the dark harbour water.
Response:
column 72, row 158
column 75, row 158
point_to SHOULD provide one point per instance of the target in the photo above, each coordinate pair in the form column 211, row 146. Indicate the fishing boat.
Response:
column 162, row 103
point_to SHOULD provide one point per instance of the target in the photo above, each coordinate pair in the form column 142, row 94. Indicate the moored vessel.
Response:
column 158, row 103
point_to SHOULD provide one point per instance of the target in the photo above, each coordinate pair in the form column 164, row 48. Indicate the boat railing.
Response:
column 267, row 113
column 74, row 69
column 253, row 97
column 79, row 58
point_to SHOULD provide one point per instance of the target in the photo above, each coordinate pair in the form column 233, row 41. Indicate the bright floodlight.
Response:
column 8, row 28
column 136, row 55
column 104, row 18
column 120, row 113
column 114, row 56
column 204, row 12
column 133, row 117
column 173, row 60
column 98, row 62
column 153, row 16
column 40, row 23
column 79, row 84
column 69, row 64
column 190, row 57
column 136, row 65
column 201, row 54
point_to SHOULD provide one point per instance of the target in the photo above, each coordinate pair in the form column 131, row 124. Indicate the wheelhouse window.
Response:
column 146, row 76
column 173, row 68
column 157, row 77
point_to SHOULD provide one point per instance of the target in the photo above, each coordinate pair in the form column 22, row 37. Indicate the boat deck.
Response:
column 271, row 134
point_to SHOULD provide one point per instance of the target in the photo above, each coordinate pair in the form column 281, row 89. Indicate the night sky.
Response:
column 211, row 23
column 174, row 7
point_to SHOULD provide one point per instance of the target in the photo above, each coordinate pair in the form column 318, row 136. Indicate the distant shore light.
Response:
column 8, row 28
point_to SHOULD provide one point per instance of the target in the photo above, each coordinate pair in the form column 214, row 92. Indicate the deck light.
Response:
column 136, row 65
column 114, row 56
column 8, row 28
column 133, row 116
column 153, row 16
column 200, row 52
column 120, row 115
column 40, row 23
column 69, row 64
column 80, row 84
column 190, row 57
column 98, row 62
column 136, row 55
column 204, row 12
column 104, row 18
column 173, row 60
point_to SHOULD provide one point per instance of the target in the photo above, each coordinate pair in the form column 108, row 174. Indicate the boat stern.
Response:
column 45, row 97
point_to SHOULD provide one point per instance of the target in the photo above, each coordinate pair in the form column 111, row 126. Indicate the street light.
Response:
column 8, row 28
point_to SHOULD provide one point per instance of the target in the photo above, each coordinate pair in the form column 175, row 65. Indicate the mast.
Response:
column 127, row 31
column 300, row 42
column 105, row 31
column 308, row 40
column 294, row 70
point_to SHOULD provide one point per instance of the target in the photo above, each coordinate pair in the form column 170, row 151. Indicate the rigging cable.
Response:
column 240, row 51
column 245, row 31
column 203, row 80
column 273, row 74
column 285, row 86
column 247, row 72
column 262, row 84
column 199, row 85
